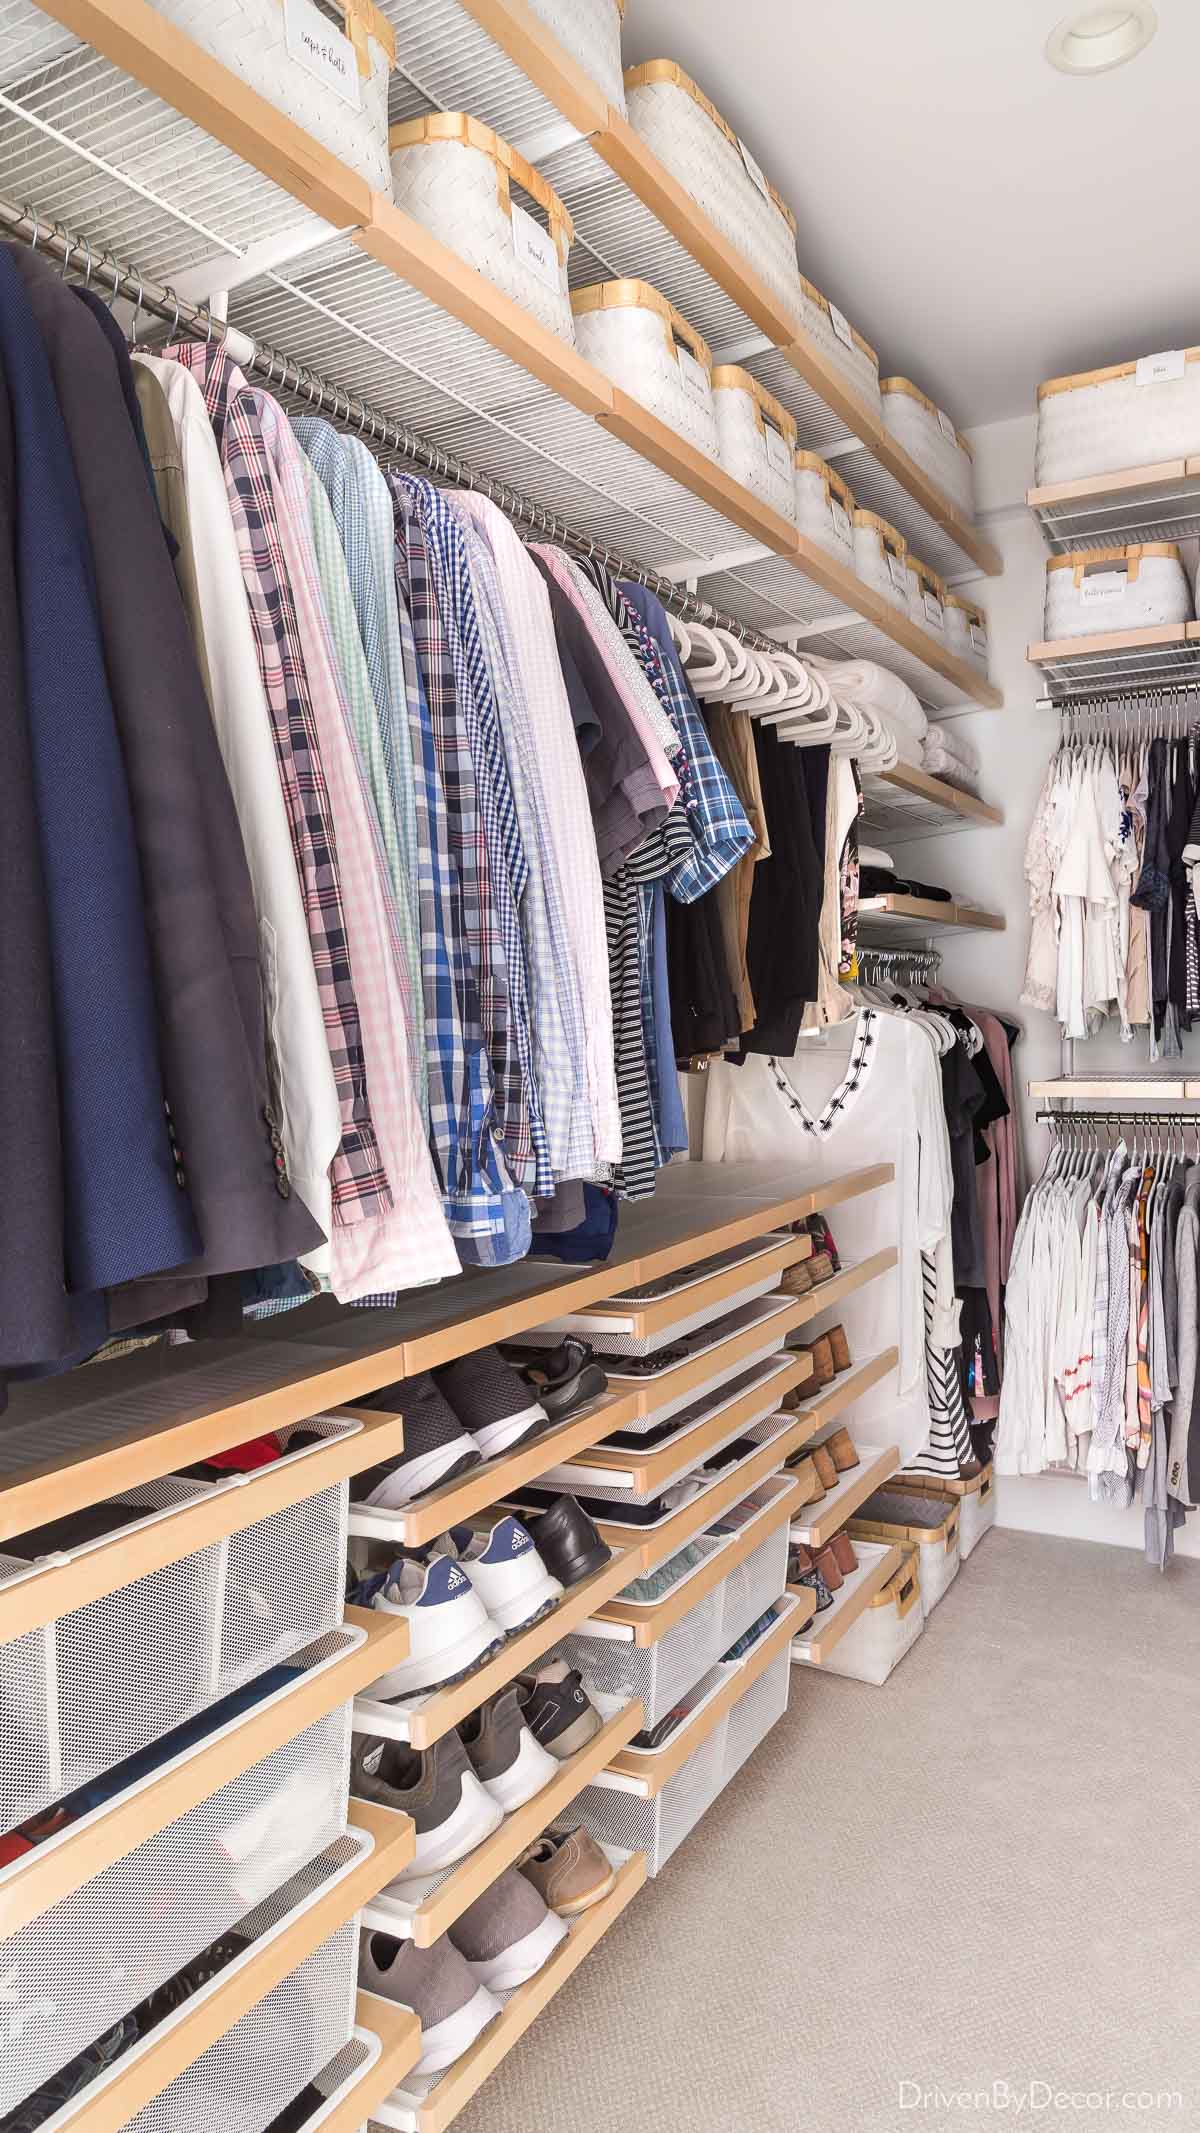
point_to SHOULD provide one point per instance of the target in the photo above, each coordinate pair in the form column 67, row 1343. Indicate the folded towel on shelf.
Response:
column 876, row 688
column 952, row 742
column 951, row 769
column 908, row 747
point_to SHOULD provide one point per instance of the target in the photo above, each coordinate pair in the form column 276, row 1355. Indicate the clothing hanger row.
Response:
column 1145, row 1133
column 802, row 704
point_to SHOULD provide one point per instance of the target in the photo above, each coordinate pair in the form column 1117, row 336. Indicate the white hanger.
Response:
column 683, row 643
column 736, row 652
column 707, row 676
column 748, row 693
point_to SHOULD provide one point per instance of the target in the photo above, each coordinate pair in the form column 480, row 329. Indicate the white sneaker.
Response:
column 506, row 1571
column 449, row 1629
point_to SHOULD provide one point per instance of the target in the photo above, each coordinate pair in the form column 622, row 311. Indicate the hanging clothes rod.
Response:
column 1158, row 695
column 114, row 279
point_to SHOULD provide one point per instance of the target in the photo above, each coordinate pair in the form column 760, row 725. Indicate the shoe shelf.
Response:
column 648, row 1546
column 1151, row 503
column 876, row 1462
column 905, row 803
column 762, row 1328
column 422, row 1721
column 884, row 920
column 35, row 1594
column 335, row 1669
column 385, row 2046
column 631, row 1324
column 847, row 1387
column 427, row 1912
column 1155, row 657
column 827, row 1294
column 435, row 2104
column 644, row 1623
column 302, row 1918
column 645, row 1771
column 497, row 1479
column 647, row 1473
column 876, row 1564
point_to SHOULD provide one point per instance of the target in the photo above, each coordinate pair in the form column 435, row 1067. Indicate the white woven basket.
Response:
column 456, row 177
column 270, row 53
column 1130, row 415
column 840, row 343
column 701, row 150
column 926, row 598
column 757, row 437
column 825, row 508
column 590, row 30
column 966, row 631
column 886, row 1629
column 1094, row 590
column 881, row 559
column 929, row 437
column 640, row 341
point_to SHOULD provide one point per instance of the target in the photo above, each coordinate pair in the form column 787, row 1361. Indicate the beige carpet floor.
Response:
column 987, row 1871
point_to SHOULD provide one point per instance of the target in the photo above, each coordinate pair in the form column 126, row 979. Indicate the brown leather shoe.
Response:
column 800, row 1466
column 799, row 1558
column 825, row 1467
column 843, row 1550
column 841, row 1450
column 568, row 1870
column 820, row 1355
column 829, row 1567
column 820, row 1268
column 796, row 1280
column 836, row 1336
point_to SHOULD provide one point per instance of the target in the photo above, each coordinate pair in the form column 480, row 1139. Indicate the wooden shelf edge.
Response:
column 907, row 777
column 514, row 26
column 846, row 1283
column 632, row 1763
column 1129, row 1090
column 108, row 2105
column 815, row 1532
column 817, row 1649
column 692, row 1518
column 31, row 1884
column 1158, row 633
column 860, row 1378
column 650, row 1624
column 650, row 1472
column 659, row 1314
column 398, row 2030
column 1129, row 480
column 946, row 916
column 424, row 1922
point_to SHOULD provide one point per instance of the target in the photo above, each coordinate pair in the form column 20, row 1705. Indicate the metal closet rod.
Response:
column 1155, row 694
column 115, row 279
column 893, row 959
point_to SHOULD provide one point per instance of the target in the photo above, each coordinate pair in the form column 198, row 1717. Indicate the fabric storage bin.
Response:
column 926, row 1524
column 975, row 1497
column 966, row 631
column 825, row 508
column 104, row 1680
column 881, row 559
column 840, row 343
column 699, row 148
column 1093, row 590
column 886, row 1629
column 646, row 347
column 590, row 30
column 456, row 177
column 757, row 437
column 928, row 436
column 268, row 49
column 754, row 1714
column 626, row 1821
column 93, row 1955
column 1128, row 415
column 926, row 598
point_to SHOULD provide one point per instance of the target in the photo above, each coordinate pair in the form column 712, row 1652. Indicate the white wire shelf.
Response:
column 905, row 803
column 1150, row 503
column 1157, row 658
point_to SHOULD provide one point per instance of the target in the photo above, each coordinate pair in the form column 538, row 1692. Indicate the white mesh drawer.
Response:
column 75, row 1970
column 625, row 1822
column 659, row 1673
column 285, row 1577
column 754, row 1714
column 753, row 1586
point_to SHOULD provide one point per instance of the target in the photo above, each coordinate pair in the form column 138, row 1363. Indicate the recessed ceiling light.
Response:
column 1098, row 38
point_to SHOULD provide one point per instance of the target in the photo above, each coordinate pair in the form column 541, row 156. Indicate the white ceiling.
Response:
column 985, row 221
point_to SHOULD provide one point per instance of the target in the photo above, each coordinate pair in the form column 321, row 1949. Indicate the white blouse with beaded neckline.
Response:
column 861, row 1054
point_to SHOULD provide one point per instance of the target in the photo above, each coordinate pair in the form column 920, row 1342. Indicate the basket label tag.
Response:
column 322, row 51
column 841, row 520
column 947, row 427
column 754, row 171
column 778, row 455
column 934, row 612
column 535, row 248
column 1102, row 585
column 694, row 375
column 896, row 571
column 1157, row 369
column 840, row 324
column 978, row 638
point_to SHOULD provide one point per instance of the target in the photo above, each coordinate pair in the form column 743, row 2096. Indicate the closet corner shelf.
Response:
column 424, row 1918
column 884, row 920
column 1155, row 657
column 646, row 1773
column 168, row 2051
column 876, row 1462
column 1151, row 503
column 647, row 1625
column 877, row 1563
column 1151, row 1088
column 847, row 1388
column 31, row 1884
column 905, row 802
column 435, row 2107
column 422, row 1724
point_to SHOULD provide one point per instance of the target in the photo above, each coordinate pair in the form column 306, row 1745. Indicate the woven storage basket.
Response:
column 881, row 559
column 926, row 1526
column 590, row 30
column 825, row 508
column 1093, row 590
column 966, row 631
column 926, row 598
column 975, row 1497
column 252, row 39
column 840, row 343
column 929, row 437
column 701, row 150
column 887, row 1628
column 757, row 437
column 1130, row 415
column 642, row 343
column 455, row 176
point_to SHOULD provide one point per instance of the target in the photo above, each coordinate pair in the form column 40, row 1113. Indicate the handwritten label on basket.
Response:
column 935, row 614
column 947, row 427
column 754, row 171
column 778, row 455
column 535, row 248
column 896, row 571
column 322, row 51
column 1157, row 369
column 978, row 638
column 841, row 520
column 841, row 325
column 695, row 377
column 1102, row 585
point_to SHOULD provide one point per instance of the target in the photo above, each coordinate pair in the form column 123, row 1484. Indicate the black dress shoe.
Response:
column 568, row 1542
